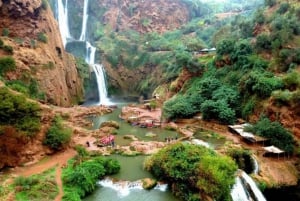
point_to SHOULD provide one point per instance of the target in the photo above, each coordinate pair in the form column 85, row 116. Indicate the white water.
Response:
column 244, row 188
column 90, row 50
column 99, row 72
column 84, row 21
column 63, row 23
column 238, row 193
column 249, row 181
column 256, row 166
column 123, row 188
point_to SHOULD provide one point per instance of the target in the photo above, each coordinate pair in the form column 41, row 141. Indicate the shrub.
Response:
column 42, row 37
column 219, row 110
column 5, row 32
column 283, row 8
column 282, row 97
column 80, row 179
column 7, row 64
column 8, row 49
column 44, row 4
column 193, row 171
column 17, row 111
column 177, row 107
column 243, row 159
column 275, row 132
column 292, row 80
column 57, row 136
column 270, row 2
column 225, row 46
column 263, row 42
column 1, row 43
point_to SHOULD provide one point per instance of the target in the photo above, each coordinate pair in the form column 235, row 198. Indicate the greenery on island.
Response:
column 57, row 135
column 15, row 110
column 193, row 171
column 81, row 175
column 275, row 132
column 242, row 158
column 37, row 187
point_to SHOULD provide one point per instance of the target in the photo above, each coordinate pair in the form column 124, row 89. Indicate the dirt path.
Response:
column 58, row 160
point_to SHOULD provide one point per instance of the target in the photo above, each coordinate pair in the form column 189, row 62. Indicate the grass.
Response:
column 37, row 187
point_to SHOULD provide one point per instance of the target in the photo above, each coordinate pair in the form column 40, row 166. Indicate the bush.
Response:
column 275, row 132
column 282, row 97
column 283, row 8
column 80, row 179
column 5, row 32
column 270, row 2
column 44, row 4
column 8, row 49
column 177, row 107
column 263, row 42
column 1, row 43
column 225, row 46
column 193, row 171
column 17, row 111
column 42, row 37
column 7, row 64
column 57, row 136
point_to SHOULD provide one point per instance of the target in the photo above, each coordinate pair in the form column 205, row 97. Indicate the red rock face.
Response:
column 145, row 16
column 48, row 63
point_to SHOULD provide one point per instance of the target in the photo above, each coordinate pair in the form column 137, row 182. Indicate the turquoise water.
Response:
column 132, row 170
column 127, row 129
column 131, row 167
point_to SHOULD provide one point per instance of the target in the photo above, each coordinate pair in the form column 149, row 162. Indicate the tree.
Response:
column 225, row 46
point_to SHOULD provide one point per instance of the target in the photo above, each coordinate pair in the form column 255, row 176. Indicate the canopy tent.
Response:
column 239, row 129
column 273, row 149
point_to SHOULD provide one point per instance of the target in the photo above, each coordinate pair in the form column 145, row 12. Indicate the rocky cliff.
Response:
column 145, row 16
column 31, row 30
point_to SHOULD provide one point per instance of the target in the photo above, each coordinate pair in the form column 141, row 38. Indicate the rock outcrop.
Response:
column 33, row 34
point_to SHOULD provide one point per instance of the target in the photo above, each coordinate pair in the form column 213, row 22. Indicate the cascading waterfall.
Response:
column 90, row 50
column 84, row 21
column 123, row 188
column 63, row 23
column 245, row 189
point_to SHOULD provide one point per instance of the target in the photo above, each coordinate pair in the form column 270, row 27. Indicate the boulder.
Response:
column 113, row 124
column 149, row 183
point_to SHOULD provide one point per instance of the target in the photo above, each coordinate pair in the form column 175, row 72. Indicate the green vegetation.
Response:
column 57, row 135
column 275, row 132
column 5, row 32
column 44, row 4
column 28, row 88
column 37, row 187
column 243, row 158
column 42, row 37
column 80, row 179
column 15, row 110
column 194, row 171
column 7, row 64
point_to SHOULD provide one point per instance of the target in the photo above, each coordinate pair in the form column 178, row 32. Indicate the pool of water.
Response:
column 131, row 170
column 128, row 129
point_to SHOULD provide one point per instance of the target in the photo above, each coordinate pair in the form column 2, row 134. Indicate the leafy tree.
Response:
column 193, row 171
column 57, row 136
column 275, row 132
column 225, row 46
column 80, row 179
column 263, row 42
column 283, row 8
column 177, row 107
column 270, row 2
column 218, row 110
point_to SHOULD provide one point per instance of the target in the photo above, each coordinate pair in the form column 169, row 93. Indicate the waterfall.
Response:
column 84, row 21
column 63, row 23
column 99, row 73
column 245, row 189
column 90, row 50
column 256, row 166
column 123, row 188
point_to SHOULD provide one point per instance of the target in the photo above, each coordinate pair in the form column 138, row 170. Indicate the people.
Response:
column 87, row 143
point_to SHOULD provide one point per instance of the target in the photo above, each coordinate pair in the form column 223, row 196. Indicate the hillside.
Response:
column 30, row 36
